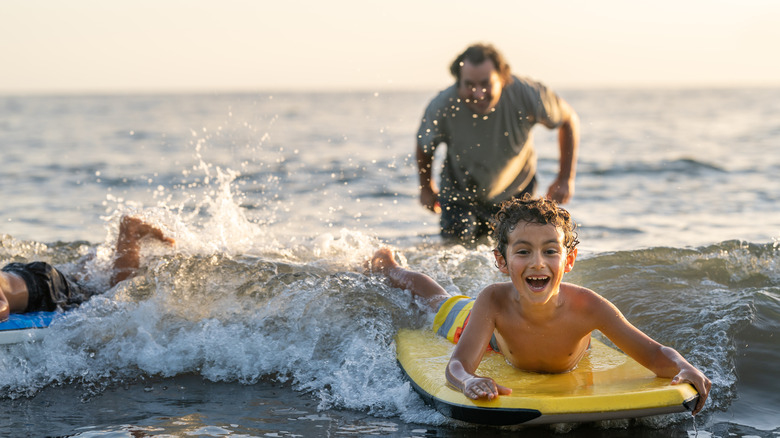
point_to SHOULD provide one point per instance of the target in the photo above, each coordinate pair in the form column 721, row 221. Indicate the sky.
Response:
column 96, row 46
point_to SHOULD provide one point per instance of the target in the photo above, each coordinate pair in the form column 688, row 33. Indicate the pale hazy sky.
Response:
column 231, row 45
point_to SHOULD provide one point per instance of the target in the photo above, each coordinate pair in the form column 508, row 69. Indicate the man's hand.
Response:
column 561, row 190
column 429, row 198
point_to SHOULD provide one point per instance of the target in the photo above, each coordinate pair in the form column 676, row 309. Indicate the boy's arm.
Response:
column 662, row 360
column 5, row 309
column 469, row 351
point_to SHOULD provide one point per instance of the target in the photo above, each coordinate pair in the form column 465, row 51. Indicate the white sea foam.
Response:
column 275, row 206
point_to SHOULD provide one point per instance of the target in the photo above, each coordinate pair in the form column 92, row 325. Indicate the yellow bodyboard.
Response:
column 606, row 384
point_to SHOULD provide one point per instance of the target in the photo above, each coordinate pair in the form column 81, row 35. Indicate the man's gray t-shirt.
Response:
column 490, row 158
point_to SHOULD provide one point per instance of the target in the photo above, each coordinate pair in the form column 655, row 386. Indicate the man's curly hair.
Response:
column 533, row 210
column 477, row 54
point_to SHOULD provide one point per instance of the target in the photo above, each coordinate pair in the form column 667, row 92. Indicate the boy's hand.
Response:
column 483, row 387
column 699, row 381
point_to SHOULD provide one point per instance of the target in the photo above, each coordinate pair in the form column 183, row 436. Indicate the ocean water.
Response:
column 261, row 321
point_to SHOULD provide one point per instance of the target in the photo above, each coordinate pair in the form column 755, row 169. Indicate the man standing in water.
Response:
column 485, row 119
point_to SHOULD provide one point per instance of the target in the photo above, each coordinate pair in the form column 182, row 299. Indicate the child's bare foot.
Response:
column 128, row 246
column 382, row 261
column 135, row 229
column 421, row 286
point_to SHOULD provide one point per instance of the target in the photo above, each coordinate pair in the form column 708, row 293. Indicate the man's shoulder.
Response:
column 525, row 81
column 526, row 86
column 445, row 97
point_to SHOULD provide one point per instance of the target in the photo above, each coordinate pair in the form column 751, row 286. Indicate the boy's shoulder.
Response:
column 495, row 290
column 582, row 299
column 497, row 295
column 577, row 298
column 575, row 289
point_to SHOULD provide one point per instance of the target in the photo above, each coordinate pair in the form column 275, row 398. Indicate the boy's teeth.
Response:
column 538, row 282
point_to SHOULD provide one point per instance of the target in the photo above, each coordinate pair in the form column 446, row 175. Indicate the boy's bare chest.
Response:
column 552, row 348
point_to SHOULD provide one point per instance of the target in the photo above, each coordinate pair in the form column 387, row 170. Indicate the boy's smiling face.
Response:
column 536, row 260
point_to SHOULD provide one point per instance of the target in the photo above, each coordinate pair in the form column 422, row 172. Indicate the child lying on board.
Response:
column 30, row 287
column 537, row 322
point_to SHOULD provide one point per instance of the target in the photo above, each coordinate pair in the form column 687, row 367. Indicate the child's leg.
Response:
column 418, row 283
column 128, row 246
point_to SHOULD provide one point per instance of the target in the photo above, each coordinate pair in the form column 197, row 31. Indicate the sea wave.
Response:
column 688, row 166
column 319, row 323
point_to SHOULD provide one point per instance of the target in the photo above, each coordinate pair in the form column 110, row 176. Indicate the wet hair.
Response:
column 477, row 54
column 540, row 211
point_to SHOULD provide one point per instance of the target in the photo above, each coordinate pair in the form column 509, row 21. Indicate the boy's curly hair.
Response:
column 533, row 210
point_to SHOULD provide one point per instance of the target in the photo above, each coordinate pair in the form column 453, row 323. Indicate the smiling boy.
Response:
column 535, row 320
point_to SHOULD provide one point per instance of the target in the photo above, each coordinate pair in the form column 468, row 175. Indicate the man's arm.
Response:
column 562, row 189
column 429, row 195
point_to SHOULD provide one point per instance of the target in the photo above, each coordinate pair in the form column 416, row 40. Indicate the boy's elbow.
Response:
column 670, row 353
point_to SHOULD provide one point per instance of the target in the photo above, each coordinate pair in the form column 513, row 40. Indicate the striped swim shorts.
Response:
column 453, row 316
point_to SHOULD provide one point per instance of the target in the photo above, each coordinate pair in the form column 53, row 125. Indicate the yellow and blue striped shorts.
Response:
column 452, row 317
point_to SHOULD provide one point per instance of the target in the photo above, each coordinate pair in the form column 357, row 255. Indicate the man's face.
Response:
column 480, row 86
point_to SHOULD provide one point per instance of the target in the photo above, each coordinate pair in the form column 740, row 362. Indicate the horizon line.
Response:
column 358, row 90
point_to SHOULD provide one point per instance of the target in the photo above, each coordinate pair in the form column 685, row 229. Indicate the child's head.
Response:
column 533, row 210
